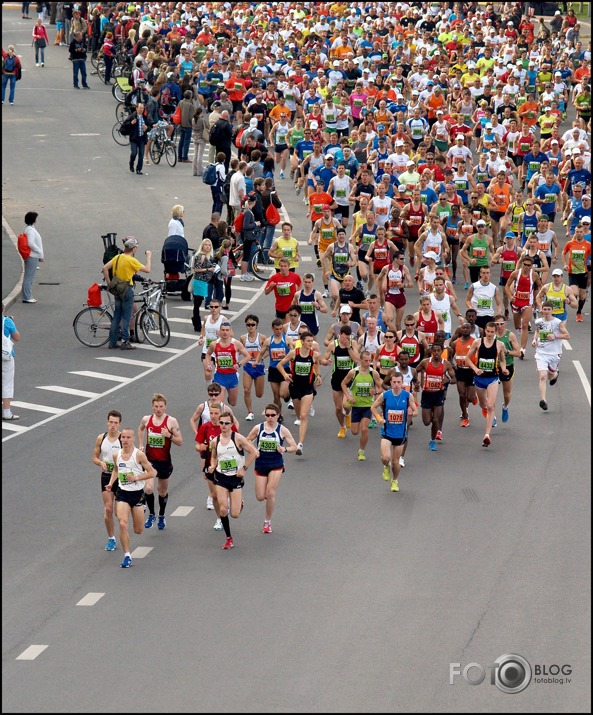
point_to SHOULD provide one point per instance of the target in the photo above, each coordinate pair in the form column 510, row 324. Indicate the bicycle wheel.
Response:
column 118, row 92
column 156, row 151
column 121, row 111
column 95, row 58
column 155, row 327
column 92, row 325
column 261, row 265
column 139, row 333
column 171, row 154
column 101, row 70
column 118, row 136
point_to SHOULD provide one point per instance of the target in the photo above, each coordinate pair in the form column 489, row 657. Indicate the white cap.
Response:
column 440, row 111
column 586, row 219
column 399, row 142
column 532, row 64
column 547, row 109
column 336, row 63
column 500, row 59
column 431, row 254
column 345, row 309
column 554, row 141
column 253, row 122
column 130, row 242
column 557, row 74
column 567, row 152
column 411, row 163
column 460, row 136
column 557, row 272
column 576, row 151
column 488, row 125
column 481, row 222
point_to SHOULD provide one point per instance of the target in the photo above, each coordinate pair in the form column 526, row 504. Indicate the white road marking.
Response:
column 128, row 361
column 32, row 652
column 67, row 391
column 11, row 427
column 187, row 336
column 182, row 511
column 99, row 375
column 90, row 599
column 566, row 345
column 37, row 408
column 244, row 287
column 181, row 320
column 586, row 385
column 146, row 346
column 89, row 134
column 141, row 552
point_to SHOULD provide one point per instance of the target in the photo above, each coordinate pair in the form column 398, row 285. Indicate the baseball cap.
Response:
column 429, row 82
column 586, row 219
column 345, row 309
column 576, row 151
column 216, row 104
column 509, row 235
column 411, row 163
column 336, row 63
column 459, row 136
column 414, row 92
column 554, row 141
column 493, row 149
column 567, row 152
column 130, row 242
column 481, row 222
column 488, row 125
column 380, row 126
column 557, row 272
column 557, row 74
column 169, row 75
column 547, row 109
column 440, row 111
column 399, row 142
column 401, row 188
column 431, row 254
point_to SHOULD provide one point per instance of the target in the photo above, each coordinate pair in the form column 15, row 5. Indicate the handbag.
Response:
column 117, row 286
column 40, row 42
column 205, row 133
column 272, row 215
column 176, row 116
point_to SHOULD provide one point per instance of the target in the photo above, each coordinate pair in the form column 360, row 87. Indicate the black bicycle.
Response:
column 161, row 144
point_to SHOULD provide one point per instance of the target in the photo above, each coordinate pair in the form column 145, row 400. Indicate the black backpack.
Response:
column 226, row 187
column 213, row 136
column 126, row 126
column 111, row 249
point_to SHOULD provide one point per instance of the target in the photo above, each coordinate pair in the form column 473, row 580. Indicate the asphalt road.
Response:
column 361, row 599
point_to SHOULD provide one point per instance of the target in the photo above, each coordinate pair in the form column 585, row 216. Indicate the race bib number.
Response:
column 485, row 303
column 363, row 390
column 109, row 466
column 415, row 220
column 395, row 417
column 209, row 341
column 340, row 258
column 327, row 234
column 486, row 365
column 433, row 383
column 522, row 295
column 341, row 193
column 508, row 266
column 307, row 308
column 557, row 304
column 460, row 360
column 408, row 348
column 287, row 252
column 478, row 252
column 302, row 368
column 125, row 477
column 387, row 361
column 344, row 363
column 277, row 354
column 156, row 440
column 550, row 198
column 367, row 238
column 268, row 445
column 228, row 465
column 318, row 208
column 543, row 335
column 578, row 261
column 283, row 289
column 224, row 360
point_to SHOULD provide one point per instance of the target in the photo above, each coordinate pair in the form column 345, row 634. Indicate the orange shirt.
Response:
column 579, row 253
column 277, row 110
column 501, row 196
column 435, row 103
column 461, row 351
column 235, row 86
column 317, row 202
column 529, row 112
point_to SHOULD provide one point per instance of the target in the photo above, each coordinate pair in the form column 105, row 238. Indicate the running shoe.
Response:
column 484, row 412
column 506, row 314
column 386, row 473
column 209, row 504
column 297, row 421
column 505, row 413
column 218, row 525
column 432, row 445
column 402, row 462
column 162, row 523
column 342, row 433
column 360, row 285
column 348, row 420
column 281, row 174
column 522, row 355
column 475, row 400
column 326, row 293
column 529, row 327
column 319, row 263
column 311, row 411
column 228, row 544
column 373, row 423
column 127, row 562
column 361, row 457
column 554, row 380
column 290, row 405
column 486, row 441
column 579, row 318
column 111, row 544
column 454, row 280
column 149, row 523
column 466, row 286
column 464, row 422
column 439, row 436
column 394, row 485
column 267, row 528
column 494, row 422
column 299, row 449
column 543, row 404
column 297, row 190
column 250, row 417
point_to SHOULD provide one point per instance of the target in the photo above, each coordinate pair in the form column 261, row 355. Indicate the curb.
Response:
column 15, row 292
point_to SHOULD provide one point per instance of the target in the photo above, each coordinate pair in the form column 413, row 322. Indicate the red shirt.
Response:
column 285, row 288
column 208, row 433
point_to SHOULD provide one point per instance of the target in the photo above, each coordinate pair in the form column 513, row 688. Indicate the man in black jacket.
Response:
column 211, row 231
column 78, row 56
column 224, row 137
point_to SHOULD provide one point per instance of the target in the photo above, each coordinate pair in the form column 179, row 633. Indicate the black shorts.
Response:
column 578, row 279
column 362, row 252
column 336, row 379
column 237, row 105
column 482, row 320
column 133, row 498
column 361, row 413
column 265, row 471
column 227, row 482
column 509, row 377
column 452, row 241
column 279, row 148
column 432, row 399
column 163, row 469
column 298, row 391
column 105, row 477
column 274, row 375
column 395, row 441
column 281, row 314
column 344, row 211
column 503, row 281
column 496, row 215
column 465, row 375
column 517, row 160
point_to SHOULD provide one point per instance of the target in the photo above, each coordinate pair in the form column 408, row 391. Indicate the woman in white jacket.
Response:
column 36, row 256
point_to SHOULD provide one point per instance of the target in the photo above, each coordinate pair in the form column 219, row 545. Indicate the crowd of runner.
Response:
column 446, row 188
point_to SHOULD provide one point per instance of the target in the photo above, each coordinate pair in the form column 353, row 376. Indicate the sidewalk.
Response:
column 12, row 266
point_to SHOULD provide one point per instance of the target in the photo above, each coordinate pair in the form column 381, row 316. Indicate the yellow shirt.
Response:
column 468, row 78
column 125, row 266
column 289, row 249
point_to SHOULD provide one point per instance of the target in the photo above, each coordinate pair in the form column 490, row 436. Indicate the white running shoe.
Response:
column 299, row 448
column 209, row 504
column 249, row 417
column 402, row 462
column 326, row 294
column 311, row 411
column 218, row 525
column 297, row 422
column 290, row 404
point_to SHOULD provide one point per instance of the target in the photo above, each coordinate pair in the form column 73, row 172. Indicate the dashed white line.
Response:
column 566, row 345
column 68, row 391
column 90, row 599
column 37, row 408
column 586, row 385
column 11, row 427
column 31, row 652
column 182, row 511
column 99, row 375
column 138, row 363
column 141, row 552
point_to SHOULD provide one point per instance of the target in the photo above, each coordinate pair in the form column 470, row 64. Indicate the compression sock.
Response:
column 581, row 304
column 225, row 524
column 316, row 249
column 150, row 503
column 162, row 503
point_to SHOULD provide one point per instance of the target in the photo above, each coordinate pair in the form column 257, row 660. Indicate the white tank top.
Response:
column 127, row 467
column 483, row 298
column 108, row 452
column 211, row 331
column 205, row 416
column 341, row 190
column 230, row 459
column 253, row 346
column 444, row 308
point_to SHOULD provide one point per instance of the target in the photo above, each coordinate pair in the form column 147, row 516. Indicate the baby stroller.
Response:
column 175, row 257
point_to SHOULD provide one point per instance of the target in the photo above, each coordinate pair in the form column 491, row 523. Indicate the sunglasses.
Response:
column 389, row 337
column 225, row 423
column 251, row 325
column 271, row 414
column 293, row 315
column 214, row 307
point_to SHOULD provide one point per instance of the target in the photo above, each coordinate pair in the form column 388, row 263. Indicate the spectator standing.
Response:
column 185, row 128
column 199, row 135
column 78, row 58
column 237, row 190
column 11, row 71
column 9, row 330
column 124, row 266
column 138, row 139
column 40, row 40
column 223, row 137
column 36, row 256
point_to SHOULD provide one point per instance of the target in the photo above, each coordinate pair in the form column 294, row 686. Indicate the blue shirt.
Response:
column 9, row 328
column 546, row 193
column 325, row 174
column 582, row 177
column 533, row 161
column 428, row 196
column 395, row 412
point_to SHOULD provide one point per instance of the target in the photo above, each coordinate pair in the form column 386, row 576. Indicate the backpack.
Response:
column 23, row 246
column 209, row 176
column 7, row 345
column 167, row 97
column 238, row 223
column 9, row 63
column 226, row 187
column 126, row 126
column 272, row 215
column 110, row 253
column 213, row 136
column 176, row 116
column 238, row 142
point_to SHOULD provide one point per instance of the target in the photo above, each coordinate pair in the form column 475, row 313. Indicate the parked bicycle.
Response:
column 93, row 323
column 261, row 265
column 161, row 144
column 151, row 320
column 118, row 136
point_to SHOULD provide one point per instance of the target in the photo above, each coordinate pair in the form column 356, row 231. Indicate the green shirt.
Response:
column 361, row 388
